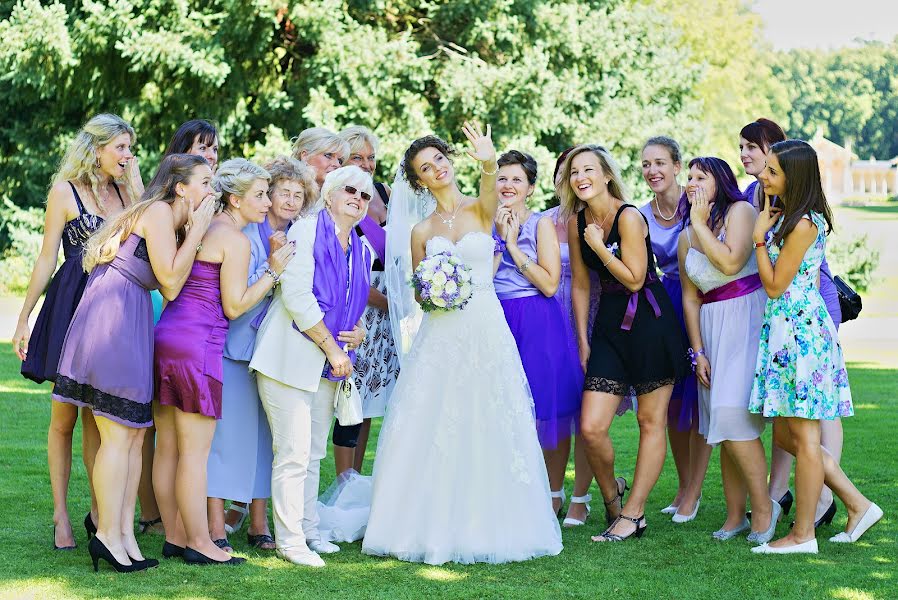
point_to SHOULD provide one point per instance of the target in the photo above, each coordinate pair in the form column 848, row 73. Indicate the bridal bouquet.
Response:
column 443, row 282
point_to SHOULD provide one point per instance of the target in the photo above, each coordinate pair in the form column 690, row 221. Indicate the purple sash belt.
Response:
column 733, row 289
column 615, row 287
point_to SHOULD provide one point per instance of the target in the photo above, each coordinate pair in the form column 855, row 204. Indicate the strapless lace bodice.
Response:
column 475, row 248
column 706, row 277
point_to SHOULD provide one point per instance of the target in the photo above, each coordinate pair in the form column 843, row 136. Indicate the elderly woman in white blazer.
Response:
column 304, row 345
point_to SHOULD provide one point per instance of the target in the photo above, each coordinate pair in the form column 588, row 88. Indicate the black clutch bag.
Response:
column 849, row 301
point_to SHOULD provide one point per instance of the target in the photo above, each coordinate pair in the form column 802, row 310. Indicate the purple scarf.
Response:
column 376, row 236
column 332, row 277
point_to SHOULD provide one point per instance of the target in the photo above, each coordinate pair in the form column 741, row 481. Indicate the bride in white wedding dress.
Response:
column 459, row 474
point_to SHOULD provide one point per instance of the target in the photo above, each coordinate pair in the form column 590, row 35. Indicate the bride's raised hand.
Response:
column 482, row 148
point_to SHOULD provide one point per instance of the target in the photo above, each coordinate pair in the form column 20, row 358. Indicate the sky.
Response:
column 826, row 24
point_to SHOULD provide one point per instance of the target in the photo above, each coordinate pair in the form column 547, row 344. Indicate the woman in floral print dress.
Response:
column 800, row 378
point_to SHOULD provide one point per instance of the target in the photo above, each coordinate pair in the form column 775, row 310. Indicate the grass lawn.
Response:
column 671, row 561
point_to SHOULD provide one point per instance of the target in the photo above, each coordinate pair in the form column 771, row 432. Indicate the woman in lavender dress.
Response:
column 189, row 342
column 660, row 166
column 97, row 157
column 526, row 282
column 755, row 140
column 107, row 357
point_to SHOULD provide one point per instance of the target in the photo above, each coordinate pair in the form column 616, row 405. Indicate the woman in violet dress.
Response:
column 200, row 138
column 239, row 465
column 84, row 192
column 107, row 358
column 526, row 282
column 755, row 140
column 800, row 377
column 189, row 342
column 661, row 164
column 724, row 303
column 637, row 341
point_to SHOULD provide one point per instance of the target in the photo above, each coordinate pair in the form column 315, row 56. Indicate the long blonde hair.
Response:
column 103, row 245
column 570, row 203
column 80, row 160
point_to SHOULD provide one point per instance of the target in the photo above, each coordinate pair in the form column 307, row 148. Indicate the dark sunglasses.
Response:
column 351, row 191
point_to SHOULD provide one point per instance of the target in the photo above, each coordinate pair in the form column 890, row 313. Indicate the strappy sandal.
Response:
column 572, row 522
column 621, row 488
column 224, row 544
column 243, row 510
column 607, row 536
column 559, row 494
column 259, row 541
column 144, row 526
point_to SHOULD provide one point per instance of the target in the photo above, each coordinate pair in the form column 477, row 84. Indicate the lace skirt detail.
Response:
column 619, row 388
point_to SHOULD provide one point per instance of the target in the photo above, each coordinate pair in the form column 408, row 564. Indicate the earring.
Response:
column 237, row 205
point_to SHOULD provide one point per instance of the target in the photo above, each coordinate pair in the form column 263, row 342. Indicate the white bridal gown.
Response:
column 459, row 474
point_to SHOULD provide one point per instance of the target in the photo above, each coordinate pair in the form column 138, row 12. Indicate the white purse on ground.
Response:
column 347, row 403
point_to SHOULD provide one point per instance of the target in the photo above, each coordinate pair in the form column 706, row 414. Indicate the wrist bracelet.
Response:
column 693, row 356
column 323, row 340
column 274, row 276
column 485, row 172
column 199, row 247
column 523, row 268
column 610, row 258
column 760, row 244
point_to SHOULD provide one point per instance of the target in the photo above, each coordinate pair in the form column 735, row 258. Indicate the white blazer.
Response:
column 282, row 353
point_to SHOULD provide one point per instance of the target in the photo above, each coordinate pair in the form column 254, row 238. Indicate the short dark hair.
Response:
column 527, row 162
column 183, row 139
column 428, row 141
column 763, row 132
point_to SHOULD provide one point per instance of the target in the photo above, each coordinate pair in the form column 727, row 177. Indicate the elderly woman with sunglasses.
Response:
column 305, row 345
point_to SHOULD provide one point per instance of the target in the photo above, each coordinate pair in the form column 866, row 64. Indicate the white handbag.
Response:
column 347, row 403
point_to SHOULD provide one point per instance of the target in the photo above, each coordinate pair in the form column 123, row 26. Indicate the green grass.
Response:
column 670, row 562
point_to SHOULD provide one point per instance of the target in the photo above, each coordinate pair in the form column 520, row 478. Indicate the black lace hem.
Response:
column 141, row 251
column 100, row 401
column 619, row 388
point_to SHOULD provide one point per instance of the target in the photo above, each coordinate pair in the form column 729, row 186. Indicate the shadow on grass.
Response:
column 672, row 561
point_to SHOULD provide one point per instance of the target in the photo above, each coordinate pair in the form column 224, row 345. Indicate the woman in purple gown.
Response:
column 84, row 192
column 189, row 342
column 661, row 164
column 526, row 282
column 755, row 140
column 107, row 357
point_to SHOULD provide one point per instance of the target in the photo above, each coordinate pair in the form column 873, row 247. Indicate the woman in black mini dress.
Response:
column 636, row 341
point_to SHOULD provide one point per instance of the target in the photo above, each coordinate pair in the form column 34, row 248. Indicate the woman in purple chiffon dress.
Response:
column 189, row 343
column 661, row 163
column 526, row 281
column 107, row 357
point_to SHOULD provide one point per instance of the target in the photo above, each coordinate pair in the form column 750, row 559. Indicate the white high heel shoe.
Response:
column 571, row 522
column 670, row 509
column 678, row 518
column 871, row 517
column 559, row 494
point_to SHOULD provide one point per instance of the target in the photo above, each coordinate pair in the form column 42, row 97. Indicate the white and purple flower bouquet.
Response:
column 443, row 282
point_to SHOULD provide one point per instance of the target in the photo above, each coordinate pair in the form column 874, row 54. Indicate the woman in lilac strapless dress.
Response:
column 189, row 342
column 107, row 357
column 526, row 281
column 755, row 140
column 661, row 163
column 71, row 220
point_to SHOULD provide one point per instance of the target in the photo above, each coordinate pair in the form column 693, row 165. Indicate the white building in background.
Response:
column 845, row 176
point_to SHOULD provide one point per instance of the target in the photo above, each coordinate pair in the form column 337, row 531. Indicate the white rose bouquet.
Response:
column 443, row 282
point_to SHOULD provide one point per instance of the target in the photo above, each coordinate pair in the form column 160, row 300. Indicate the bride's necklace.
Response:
column 450, row 221
column 658, row 206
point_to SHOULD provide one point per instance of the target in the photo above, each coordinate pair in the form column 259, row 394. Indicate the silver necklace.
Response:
column 451, row 220
column 661, row 214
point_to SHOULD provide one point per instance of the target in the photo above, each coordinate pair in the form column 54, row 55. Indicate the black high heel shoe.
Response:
column 639, row 521
column 826, row 519
column 194, row 557
column 142, row 565
column 98, row 550
column 170, row 550
column 785, row 503
column 89, row 526
column 621, row 488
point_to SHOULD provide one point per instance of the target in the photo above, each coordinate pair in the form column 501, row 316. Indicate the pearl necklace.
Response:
column 658, row 206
